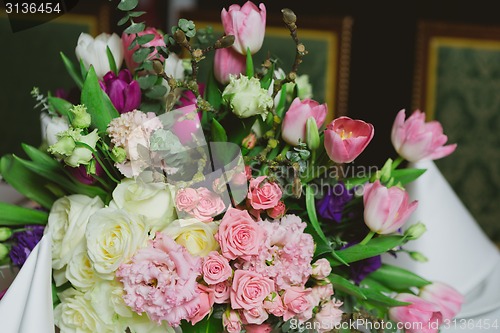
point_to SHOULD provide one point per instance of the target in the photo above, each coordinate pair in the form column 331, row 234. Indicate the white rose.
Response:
column 76, row 314
column 142, row 324
column 106, row 297
column 246, row 97
column 68, row 219
column 197, row 237
column 113, row 236
column 93, row 52
column 80, row 271
column 51, row 126
column 153, row 200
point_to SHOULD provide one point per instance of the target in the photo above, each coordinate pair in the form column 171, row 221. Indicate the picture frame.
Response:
column 328, row 41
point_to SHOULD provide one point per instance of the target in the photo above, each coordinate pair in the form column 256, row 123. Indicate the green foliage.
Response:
column 13, row 215
column 188, row 27
column 218, row 132
column 111, row 60
column 397, row 279
column 135, row 28
column 206, row 325
column 127, row 5
column 249, row 70
column 70, row 67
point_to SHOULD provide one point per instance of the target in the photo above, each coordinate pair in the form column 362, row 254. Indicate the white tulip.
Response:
column 93, row 51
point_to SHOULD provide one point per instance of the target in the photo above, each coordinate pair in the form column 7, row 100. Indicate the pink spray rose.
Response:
column 186, row 199
column 227, row 61
column 321, row 269
column 209, row 205
column 231, row 321
column 415, row 140
column 346, row 138
column 296, row 301
column 127, row 40
column 249, row 290
column 328, row 317
column 294, row 124
column 161, row 281
column 247, row 24
column 446, row 297
column 256, row 316
column 216, row 268
column 277, row 211
column 263, row 194
column 206, row 301
column 386, row 209
column 274, row 305
column 420, row 311
column 262, row 328
column 221, row 292
column 239, row 235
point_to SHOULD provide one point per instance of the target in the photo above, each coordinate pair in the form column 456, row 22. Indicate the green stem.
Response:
column 94, row 152
column 397, row 162
column 367, row 238
column 285, row 150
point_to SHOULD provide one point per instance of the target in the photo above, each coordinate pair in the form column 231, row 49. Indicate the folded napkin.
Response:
column 459, row 252
column 27, row 305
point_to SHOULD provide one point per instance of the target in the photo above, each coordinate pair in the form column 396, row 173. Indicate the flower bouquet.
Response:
column 216, row 204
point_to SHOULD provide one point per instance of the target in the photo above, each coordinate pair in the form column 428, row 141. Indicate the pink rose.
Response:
column 186, row 199
column 249, row 290
column 210, row 205
column 328, row 317
column 446, row 297
column 346, row 138
column 262, row 328
column 415, row 140
column 277, row 211
column 216, row 268
column 254, row 316
column 296, row 301
column 386, row 209
column 239, row 235
column 263, row 194
column 206, row 301
column 422, row 316
column 231, row 321
column 321, row 269
column 221, row 292
column 274, row 305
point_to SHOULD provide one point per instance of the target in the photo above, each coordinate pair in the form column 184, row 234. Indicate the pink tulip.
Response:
column 346, row 138
column 247, row 24
column 446, row 297
column 187, row 125
column 386, row 209
column 415, row 140
column 127, row 40
column 294, row 124
column 422, row 316
column 228, row 61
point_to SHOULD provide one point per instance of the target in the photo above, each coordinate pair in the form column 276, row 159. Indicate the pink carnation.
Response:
column 249, row 290
column 216, row 268
column 263, row 194
column 209, row 205
column 239, row 235
column 161, row 281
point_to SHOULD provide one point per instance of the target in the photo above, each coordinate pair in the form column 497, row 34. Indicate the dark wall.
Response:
column 383, row 51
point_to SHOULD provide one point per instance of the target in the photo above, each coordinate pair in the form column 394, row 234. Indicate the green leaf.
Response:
column 147, row 81
column 111, row 60
column 145, row 39
column 13, row 215
column 39, row 157
column 83, row 69
column 340, row 283
column 136, row 14
column 213, row 94
column 123, row 20
column 249, row 64
column 70, row 67
column 351, row 183
column 97, row 102
column 126, row 5
column 397, row 278
column 156, row 92
column 378, row 298
column 280, row 108
column 135, row 28
column 206, row 325
column 26, row 182
column 141, row 54
column 266, row 80
column 61, row 106
column 218, row 132
column 374, row 247
column 311, row 213
column 405, row 176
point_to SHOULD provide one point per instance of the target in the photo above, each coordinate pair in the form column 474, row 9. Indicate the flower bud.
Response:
column 415, row 231
column 417, row 256
column 81, row 118
column 249, row 141
column 289, row 16
column 118, row 154
column 4, row 251
column 5, row 233
column 158, row 67
column 180, row 37
column 312, row 135
column 225, row 41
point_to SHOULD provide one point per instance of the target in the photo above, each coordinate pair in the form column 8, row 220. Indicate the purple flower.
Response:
column 26, row 241
column 189, row 98
column 124, row 93
column 80, row 173
column 360, row 269
column 330, row 207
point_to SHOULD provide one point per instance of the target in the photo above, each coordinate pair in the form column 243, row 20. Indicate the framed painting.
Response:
column 328, row 41
column 457, row 81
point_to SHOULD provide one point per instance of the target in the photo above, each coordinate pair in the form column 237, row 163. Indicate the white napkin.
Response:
column 27, row 305
column 459, row 252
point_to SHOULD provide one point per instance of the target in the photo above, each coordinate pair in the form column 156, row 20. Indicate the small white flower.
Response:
column 93, row 51
column 246, row 98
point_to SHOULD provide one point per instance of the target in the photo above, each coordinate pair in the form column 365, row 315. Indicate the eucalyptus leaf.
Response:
column 136, row 14
column 145, row 39
column 123, row 20
column 156, row 92
column 135, row 28
column 147, row 81
column 13, row 215
column 126, row 5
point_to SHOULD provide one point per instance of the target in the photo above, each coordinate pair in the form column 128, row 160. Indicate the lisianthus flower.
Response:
column 26, row 241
